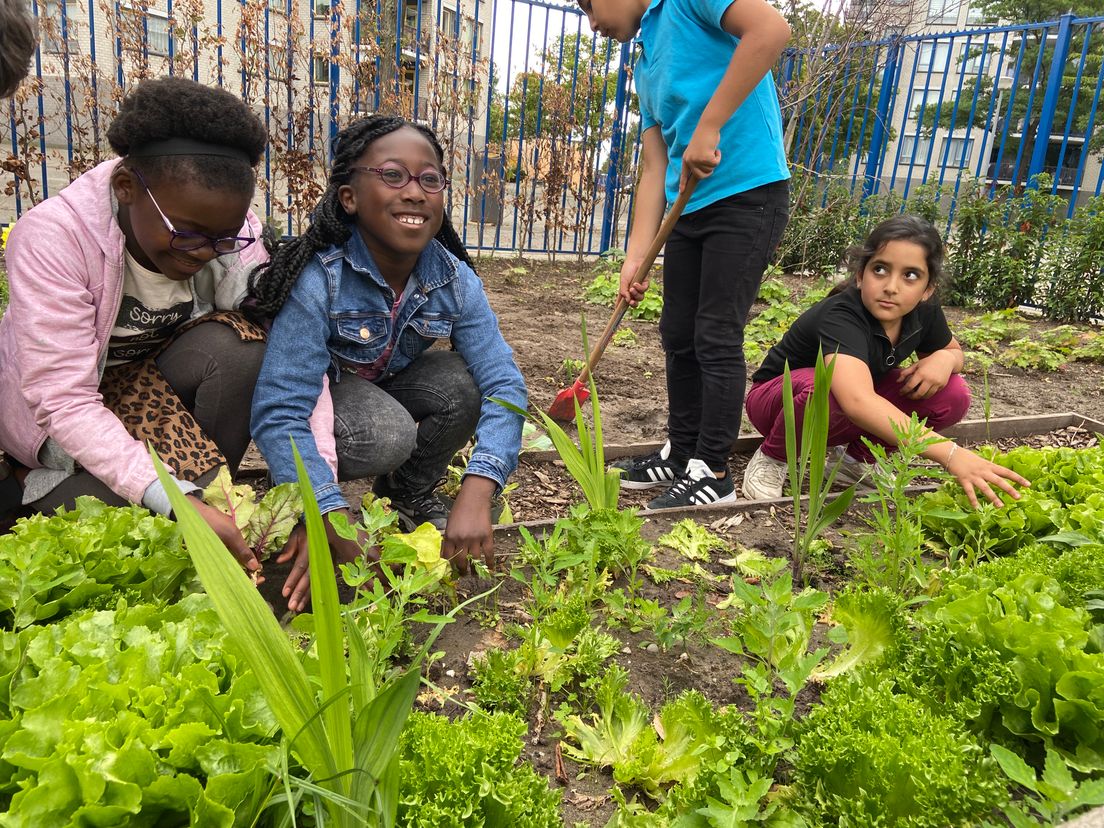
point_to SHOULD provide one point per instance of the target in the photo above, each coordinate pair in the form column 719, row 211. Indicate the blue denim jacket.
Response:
column 339, row 313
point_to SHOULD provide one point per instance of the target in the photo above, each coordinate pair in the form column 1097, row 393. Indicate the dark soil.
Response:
column 539, row 313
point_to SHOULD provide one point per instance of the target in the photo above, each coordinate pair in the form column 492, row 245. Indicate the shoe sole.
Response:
column 640, row 485
column 750, row 495
column 728, row 498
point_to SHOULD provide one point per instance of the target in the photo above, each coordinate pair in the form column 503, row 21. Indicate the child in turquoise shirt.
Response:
column 708, row 109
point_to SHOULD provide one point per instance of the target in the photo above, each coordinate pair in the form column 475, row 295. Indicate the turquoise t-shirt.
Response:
column 685, row 53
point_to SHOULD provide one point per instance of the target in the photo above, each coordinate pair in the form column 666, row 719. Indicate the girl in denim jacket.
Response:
column 357, row 301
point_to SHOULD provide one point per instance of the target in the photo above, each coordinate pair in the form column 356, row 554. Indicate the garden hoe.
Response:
column 563, row 407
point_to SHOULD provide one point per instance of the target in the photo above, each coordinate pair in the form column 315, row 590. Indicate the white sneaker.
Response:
column 851, row 472
column 764, row 477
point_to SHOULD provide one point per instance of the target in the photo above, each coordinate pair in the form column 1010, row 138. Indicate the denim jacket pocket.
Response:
column 420, row 333
column 360, row 338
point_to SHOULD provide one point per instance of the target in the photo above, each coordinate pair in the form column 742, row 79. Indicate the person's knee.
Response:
column 952, row 402
column 369, row 447
column 460, row 387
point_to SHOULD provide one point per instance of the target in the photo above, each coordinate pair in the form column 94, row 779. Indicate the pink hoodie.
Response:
column 65, row 275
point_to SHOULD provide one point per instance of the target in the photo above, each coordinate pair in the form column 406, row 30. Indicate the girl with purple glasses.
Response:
column 123, row 326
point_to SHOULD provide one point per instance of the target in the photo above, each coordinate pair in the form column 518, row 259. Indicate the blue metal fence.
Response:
column 537, row 115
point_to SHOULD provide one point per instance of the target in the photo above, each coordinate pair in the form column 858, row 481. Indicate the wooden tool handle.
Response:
column 622, row 306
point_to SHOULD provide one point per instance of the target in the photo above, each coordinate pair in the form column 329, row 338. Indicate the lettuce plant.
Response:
column 869, row 756
column 345, row 736
column 692, row 540
column 466, row 773
column 145, row 714
column 1053, row 651
column 51, row 565
column 683, row 739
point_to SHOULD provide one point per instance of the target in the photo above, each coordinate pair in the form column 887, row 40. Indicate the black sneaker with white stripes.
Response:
column 655, row 469
column 697, row 486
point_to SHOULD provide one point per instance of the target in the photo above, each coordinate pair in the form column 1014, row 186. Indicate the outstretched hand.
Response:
column 976, row 474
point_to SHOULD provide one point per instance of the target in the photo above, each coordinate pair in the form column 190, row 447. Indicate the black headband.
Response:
column 187, row 146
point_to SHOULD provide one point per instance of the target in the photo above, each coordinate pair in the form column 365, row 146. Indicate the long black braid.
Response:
column 270, row 284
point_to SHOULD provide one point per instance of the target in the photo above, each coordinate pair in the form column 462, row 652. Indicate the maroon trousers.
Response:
column 764, row 409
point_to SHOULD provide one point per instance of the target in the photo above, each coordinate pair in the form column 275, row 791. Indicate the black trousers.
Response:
column 713, row 265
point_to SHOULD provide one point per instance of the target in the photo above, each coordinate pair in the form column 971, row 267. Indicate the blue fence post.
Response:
column 335, row 74
column 1050, row 99
column 619, row 103
column 878, row 134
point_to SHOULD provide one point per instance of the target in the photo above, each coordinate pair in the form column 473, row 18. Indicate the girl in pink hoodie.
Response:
column 122, row 325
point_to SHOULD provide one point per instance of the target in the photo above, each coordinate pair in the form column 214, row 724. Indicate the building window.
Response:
column 448, row 22
column 320, row 70
column 466, row 34
column 920, row 98
column 410, row 19
column 51, row 27
column 953, row 151
column 943, row 11
column 971, row 59
column 147, row 30
column 933, row 56
column 914, row 149
column 320, row 8
column 975, row 14
column 277, row 55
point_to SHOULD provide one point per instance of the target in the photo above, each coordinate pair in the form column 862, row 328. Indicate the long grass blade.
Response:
column 326, row 608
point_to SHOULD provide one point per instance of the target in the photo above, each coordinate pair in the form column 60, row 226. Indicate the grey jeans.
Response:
column 213, row 372
column 409, row 425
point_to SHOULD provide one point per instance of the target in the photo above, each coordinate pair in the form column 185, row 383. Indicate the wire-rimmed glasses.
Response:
column 188, row 241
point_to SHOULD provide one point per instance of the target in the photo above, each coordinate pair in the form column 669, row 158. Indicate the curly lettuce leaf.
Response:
column 51, row 565
column 692, row 540
column 140, row 714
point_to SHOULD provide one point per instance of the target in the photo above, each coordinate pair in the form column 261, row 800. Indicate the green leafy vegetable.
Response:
column 609, row 737
column 51, row 565
column 142, row 713
column 692, row 539
column 466, row 773
column 265, row 524
column 873, row 622
column 869, row 756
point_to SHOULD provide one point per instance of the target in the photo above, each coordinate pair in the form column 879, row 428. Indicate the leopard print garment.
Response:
column 150, row 410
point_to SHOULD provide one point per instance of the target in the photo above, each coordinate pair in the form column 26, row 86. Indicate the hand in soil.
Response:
column 223, row 525
column 469, row 534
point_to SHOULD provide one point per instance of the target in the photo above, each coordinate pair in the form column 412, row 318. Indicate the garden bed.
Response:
column 625, row 639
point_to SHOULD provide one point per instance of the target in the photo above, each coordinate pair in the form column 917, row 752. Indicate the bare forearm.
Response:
column 878, row 416
column 648, row 209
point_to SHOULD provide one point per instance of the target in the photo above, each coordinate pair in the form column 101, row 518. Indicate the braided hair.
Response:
column 166, row 108
column 270, row 284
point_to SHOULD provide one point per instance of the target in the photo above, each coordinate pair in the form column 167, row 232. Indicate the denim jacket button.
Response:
column 365, row 333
